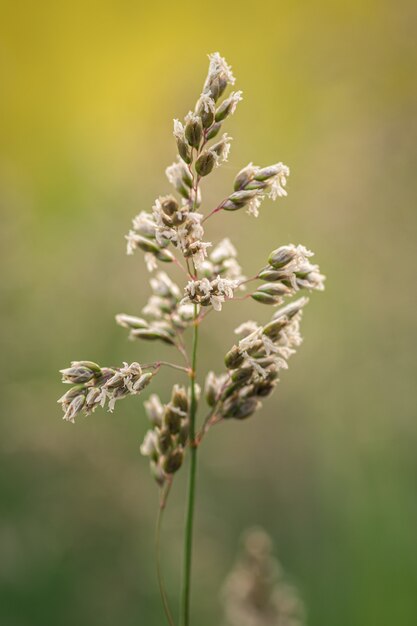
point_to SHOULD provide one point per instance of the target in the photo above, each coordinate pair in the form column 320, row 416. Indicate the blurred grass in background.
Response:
column 88, row 93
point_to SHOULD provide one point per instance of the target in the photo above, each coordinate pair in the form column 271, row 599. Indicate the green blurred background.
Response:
column 88, row 93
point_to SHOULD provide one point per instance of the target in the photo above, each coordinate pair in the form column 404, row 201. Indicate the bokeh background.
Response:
column 88, row 93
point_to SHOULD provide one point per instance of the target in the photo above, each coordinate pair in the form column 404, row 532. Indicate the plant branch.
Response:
column 189, row 521
column 216, row 210
column 180, row 265
column 159, row 364
column 248, row 280
column 211, row 420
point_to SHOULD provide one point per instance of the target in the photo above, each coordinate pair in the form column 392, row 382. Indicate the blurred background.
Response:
column 329, row 468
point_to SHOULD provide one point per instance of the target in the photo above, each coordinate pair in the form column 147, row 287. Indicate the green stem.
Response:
column 161, row 586
column 188, row 540
column 158, row 364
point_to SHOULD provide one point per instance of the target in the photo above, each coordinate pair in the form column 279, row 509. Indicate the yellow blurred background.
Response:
column 88, row 91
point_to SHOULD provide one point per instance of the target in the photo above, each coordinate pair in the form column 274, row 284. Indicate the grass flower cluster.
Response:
column 173, row 232
column 256, row 592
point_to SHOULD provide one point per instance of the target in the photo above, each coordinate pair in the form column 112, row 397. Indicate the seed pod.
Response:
column 273, row 329
column 165, row 305
column 228, row 205
column 151, row 334
column 281, row 257
column 256, row 185
column 239, row 199
column 231, row 390
column 274, row 289
column 142, row 382
column 74, row 407
column 172, row 419
column 154, row 409
column 179, row 175
column 184, row 433
column 263, row 388
column 169, row 205
column 193, row 131
column 183, row 190
column 163, row 287
column 72, row 393
column 264, row 298
column 244, row 177
column 157, row 473
column 165, row 256
column 121, row 392
column 216, row 86
column 272, row 374
column 291, row 309
column 77, row 374
column 228, row 106
column 147, row 245
column 179, row 217
column 172, row 462
column 207, row 118
column 205, row 109
column 266, row 362
column 114, row 381
column 213, row 130
column 205, row 163
column 92, row 398
column 266, row 173
column 179, row 398
column 184, row 151
column 234, row 358
column 211, row 389
column 257, row 349
column 186, row 176
column 144, row 225
column 271, row 274
column 224, row 109
column 239, row 385
column 90, row 364
column 241, row 409
column 130, row 321
column 242, row 374
column 149, row 447
column 183, row 148
column 165, row 441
